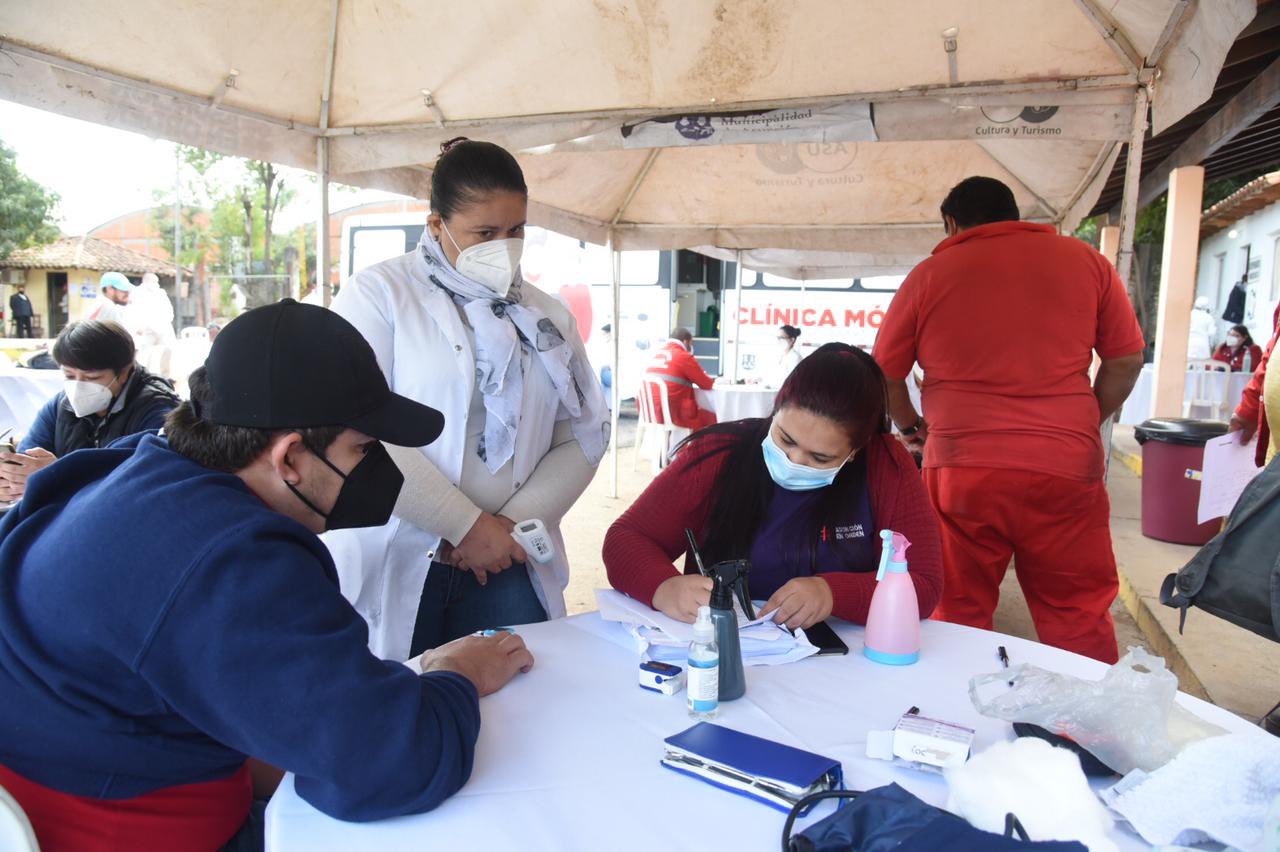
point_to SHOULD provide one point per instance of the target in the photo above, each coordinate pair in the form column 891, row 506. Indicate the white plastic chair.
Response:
column 1209, row 388
column 648, row 425
column 16, row 834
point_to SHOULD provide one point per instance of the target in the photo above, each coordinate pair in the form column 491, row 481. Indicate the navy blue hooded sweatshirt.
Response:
column 158, row 623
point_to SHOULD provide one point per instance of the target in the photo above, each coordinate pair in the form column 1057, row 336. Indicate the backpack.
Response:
column 1236, row 576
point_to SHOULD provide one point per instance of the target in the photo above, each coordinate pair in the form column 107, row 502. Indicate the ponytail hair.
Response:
column 467, row 171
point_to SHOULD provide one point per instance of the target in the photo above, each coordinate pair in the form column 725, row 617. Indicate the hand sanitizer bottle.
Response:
column 703, row 686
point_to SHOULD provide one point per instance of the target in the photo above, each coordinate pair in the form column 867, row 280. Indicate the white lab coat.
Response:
column 425, row 350
column 1200, row 337
column 786, row 363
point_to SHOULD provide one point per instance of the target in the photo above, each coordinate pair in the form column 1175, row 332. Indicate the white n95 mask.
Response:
column 492, row 263
column 86, row 397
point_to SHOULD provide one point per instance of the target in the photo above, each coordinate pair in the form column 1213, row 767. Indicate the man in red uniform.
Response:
column 1004, row 318
column 675, row 366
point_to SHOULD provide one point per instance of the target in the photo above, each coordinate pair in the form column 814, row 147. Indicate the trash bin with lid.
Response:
column 1172, row 457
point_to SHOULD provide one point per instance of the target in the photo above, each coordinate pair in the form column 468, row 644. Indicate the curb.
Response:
column 1161, row 642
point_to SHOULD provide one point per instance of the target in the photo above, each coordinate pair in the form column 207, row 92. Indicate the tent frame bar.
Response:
column 1114, row 36
column 1120, row 81
column 908, row 93
column 1132, row 177
column 213, row 103
column 635, row 186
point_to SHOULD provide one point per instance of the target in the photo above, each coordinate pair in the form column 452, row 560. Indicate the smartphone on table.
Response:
column 826, row 640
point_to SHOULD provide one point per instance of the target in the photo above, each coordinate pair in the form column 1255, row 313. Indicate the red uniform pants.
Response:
column 1058, row 533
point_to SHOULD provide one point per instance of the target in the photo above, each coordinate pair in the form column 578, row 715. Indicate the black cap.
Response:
column 295, row 366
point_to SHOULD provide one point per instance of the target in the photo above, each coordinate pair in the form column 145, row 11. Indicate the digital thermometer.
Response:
column 535, row 540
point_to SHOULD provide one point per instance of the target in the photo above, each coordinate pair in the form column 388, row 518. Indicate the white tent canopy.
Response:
column 861, row 113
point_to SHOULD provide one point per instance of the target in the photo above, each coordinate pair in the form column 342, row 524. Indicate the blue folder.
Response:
column 761, row 769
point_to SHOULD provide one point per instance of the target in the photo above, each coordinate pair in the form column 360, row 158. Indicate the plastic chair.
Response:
column 16, row 833
column 648, row 405
column 1209, row 388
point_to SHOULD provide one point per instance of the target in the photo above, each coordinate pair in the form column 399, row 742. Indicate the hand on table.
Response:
column 801, row 602
column 680, row 596
column 16, row 467
column 488, row 547
column 489, row 662
column 1246, row 428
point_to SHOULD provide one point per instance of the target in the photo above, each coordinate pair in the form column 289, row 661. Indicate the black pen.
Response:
column 697, row 557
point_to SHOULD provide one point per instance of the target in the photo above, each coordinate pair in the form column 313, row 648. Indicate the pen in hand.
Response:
column 697, row 557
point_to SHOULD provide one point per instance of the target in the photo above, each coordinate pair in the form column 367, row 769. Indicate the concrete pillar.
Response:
column 1177, row 289
column 1109, row 242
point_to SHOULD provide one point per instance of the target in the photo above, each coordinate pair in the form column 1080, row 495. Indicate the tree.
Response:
column 27, row 209
column 245, row 202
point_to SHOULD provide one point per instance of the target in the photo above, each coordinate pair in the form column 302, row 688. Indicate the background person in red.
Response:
column 803, row 494
column 1239, row 351
column 1250, row 416
column 1004, row 318
column 675, row 366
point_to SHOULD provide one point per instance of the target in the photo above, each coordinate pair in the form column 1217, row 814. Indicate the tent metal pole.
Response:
column 615, row 391
column 1128, row 220
column 322, row 226
column 177, row 239
column 737, row 317
column 1132, row 178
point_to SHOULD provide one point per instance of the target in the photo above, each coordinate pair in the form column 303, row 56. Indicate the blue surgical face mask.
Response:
column 791, row 476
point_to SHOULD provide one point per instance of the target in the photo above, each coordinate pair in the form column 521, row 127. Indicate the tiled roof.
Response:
column 87, row 253
column 1250, row 198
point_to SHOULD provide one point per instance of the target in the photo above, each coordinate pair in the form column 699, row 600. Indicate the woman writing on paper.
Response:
column 454, row 326
column 802, row 494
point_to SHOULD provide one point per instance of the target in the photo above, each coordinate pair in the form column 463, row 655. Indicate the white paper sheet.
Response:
column 764, row 643
column 1228, row 467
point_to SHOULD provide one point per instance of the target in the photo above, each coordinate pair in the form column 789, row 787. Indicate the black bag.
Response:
column 1236, row 575
column 890, row 818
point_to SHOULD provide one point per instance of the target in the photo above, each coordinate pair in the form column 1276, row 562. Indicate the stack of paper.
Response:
column 660, row 637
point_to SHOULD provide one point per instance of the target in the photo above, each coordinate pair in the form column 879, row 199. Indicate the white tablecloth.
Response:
column 22, row 392
column 1137, row 407
column 735, row 402
column 568, row 754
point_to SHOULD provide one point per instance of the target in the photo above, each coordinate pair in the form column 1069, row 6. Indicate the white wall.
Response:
column 1261, row 233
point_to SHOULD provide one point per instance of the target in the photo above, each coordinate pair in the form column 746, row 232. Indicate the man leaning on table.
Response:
column 1004, row 318
column 167, row 611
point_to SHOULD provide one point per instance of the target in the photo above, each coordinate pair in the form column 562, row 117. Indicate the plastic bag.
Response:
column 1128, row 720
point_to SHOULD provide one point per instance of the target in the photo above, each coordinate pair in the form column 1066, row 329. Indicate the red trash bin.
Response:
column 1170, row 449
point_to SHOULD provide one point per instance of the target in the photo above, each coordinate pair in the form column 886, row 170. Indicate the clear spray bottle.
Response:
column 703, row 685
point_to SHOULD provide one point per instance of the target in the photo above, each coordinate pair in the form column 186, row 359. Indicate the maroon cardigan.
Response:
column 641, row 547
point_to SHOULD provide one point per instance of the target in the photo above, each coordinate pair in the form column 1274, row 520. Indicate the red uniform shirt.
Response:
column 1004, row 318
column 1242, row 360
column 673, row 361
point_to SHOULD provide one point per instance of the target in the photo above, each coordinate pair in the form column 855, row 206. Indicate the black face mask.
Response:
column 368, row 494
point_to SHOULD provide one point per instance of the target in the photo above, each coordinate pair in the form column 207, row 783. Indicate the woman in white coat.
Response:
column 788, row 356
column 455, row 326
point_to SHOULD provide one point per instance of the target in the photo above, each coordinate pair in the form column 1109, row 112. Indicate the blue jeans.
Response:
column 454, row 604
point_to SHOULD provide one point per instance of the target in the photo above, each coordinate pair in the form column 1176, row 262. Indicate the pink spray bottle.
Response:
column 893, row 624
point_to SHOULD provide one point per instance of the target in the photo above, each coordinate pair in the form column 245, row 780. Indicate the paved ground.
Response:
column 585, row 526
